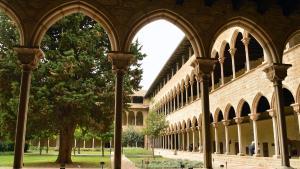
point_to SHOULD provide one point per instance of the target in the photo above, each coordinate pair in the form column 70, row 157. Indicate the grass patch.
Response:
column 139, row 155
column 35, row 160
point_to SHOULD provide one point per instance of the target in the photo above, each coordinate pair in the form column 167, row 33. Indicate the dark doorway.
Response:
column 265, row 149
column 221, row 148
column 236, row 145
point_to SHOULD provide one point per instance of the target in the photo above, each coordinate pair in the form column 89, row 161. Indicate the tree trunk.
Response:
column 66, row 143
column 102, row 148
column 152, row 146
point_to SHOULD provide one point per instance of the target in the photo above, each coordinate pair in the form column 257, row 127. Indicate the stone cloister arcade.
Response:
column 202, row 22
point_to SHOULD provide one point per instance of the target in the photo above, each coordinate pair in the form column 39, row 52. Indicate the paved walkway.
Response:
column 232, row 161
column 126, row 163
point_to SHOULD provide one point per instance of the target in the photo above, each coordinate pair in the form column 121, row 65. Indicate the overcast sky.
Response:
column 159, row 39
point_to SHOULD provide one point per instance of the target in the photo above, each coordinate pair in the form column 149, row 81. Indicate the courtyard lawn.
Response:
column 35, row 160
column 140, row 156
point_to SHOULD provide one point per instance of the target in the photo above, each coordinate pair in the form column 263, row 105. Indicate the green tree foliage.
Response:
column 73, row 85
column 155, row 124
column 132, row 137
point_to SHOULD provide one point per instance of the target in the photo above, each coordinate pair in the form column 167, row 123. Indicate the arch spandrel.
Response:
column 15, row 18
column 65, row 9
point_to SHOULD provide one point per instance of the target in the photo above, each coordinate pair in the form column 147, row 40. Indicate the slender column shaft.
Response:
column 179, row 143
column 282, row 125
column 275, row 132
column 183, row 141
column 222, row 70
column 192, row 92
column 276, row 73
column 186, row 95
column 181, row 97
column 227, row 140
column 198, row 90
column 163, row 142
column 296, row 108
column 118, row 119
column 254, row 118
column 232, row 53
column 174, row 101
column 200, row 140
column 212, row 81
column 245, row 41
column 178, row 104
column 194, row 140
column 172, row 146
column 238, row 121
column 93, row 143
column 22, row 118
column 216, row 138
column 187, row 139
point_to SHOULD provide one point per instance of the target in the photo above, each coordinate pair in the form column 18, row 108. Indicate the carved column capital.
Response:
column 238, row 120
column 119, row 60
column 296, row 107
column 253, row 117
column 246, row 41
column 221, row 59
column 232, row 51
column 215, row 124
column 276, row 72
column 29, row 57
column 272, row 112
column 203, row 67
column 225, row 122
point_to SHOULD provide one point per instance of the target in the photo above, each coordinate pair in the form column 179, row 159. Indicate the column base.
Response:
column 227, row 153
column 256, row 155
column 241, row 154
column 216, row 152
column 276, row 156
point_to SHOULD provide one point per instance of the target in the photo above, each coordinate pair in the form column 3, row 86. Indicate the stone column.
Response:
column 254, row 118
column 192, row 92
column 232, row 53
column 165, row 108
column 215, row 124
column 194, row 139
column 29, row 59
column 198, row 89
column 212, row 81
column 275, row 132
column 203, row 67
column 238, row 121
column 93, row 143
column 183, row 140
column 245, row 41
column 226, row 123
column 181, row 96
column 296, row 108
column 221, row 61
column 174, row 101
column 177, row 95
column 175, row 140
column 276, row 73
column 187, row 139
column 120, row 63
column 179, row 143
column 186, row 94
column 200, row 140
column 172, row 146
